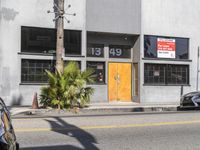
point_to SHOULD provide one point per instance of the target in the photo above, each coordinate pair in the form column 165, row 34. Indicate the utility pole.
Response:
column 60, row 37
column 60, row 13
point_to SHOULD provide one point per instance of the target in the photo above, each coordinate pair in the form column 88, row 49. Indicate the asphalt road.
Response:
column 126, row 131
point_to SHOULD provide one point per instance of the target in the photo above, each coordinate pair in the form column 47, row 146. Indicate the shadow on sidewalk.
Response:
column 85, row 138
column 60, row 126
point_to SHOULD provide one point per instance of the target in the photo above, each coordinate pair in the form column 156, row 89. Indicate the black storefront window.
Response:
column 154, row 74
column 166, row 74
column 38, row 40
column 95, row 50
column 43, row 40
column 72, row 42
column 99, row 71
column 119, row 51
column 33, row 71
column 166, row 47
column 177, row 74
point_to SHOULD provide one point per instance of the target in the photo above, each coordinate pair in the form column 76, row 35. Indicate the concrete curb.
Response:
column 133, row 109
column 28, row 112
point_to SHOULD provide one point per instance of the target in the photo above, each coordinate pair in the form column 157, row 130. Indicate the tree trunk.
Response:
column 59, row 107
column 60, row 38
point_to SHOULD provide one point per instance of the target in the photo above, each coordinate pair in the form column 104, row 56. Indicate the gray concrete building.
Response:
column 142, row 50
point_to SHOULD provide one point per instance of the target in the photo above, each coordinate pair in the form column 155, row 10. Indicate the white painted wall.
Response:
column 118, row 16
column 179, row 18
column 17, row 13
column 176, row 18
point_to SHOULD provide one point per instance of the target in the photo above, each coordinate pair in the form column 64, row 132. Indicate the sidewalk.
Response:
column 114, row 107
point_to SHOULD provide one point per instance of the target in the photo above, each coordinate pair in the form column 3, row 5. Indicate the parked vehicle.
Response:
column 7, row 134
column 191, row 99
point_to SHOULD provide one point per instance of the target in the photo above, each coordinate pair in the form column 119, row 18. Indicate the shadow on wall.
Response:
column 8, row 14
column 16, row 100
column 62, row 127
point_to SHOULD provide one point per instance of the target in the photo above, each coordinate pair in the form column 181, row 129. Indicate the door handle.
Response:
column 117, row 78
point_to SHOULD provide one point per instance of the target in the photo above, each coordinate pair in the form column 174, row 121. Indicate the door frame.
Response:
column 136, row 98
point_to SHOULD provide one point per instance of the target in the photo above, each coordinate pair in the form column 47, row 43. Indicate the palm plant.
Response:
column 67, row 89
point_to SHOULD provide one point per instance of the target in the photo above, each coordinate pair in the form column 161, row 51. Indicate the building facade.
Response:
column 142, row 51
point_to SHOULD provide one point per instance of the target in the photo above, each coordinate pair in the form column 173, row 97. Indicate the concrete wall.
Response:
column 118, row 16
column 1, row 54
column 15, row 14
column 136, row 50
column 136, row 60
column 175, row 18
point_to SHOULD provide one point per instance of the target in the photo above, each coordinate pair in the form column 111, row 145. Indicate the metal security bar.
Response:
column 33, row 71
column 166, row 74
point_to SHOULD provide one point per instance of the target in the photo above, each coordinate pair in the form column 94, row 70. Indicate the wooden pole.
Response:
column 60, row 37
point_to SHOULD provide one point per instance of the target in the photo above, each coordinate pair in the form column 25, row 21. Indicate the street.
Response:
column 124, row 131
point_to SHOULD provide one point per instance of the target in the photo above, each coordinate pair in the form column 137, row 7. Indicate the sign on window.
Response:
column 95, row 50
column 166, row 48
column 119, row 51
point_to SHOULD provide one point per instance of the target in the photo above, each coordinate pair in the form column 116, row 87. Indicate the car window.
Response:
column 197, row 97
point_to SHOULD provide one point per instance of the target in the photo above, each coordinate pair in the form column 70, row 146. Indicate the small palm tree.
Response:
column 67, row 89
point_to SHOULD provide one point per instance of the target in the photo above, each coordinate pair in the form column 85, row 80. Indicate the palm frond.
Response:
column 67, row 89
column 87, row 75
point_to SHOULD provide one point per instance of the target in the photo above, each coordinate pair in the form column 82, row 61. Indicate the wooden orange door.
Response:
column 119, row 82
column 112, row 81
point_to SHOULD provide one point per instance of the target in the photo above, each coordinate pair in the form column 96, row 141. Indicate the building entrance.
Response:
column 119, row 82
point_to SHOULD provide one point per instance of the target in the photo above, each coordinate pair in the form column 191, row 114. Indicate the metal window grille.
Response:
column 33, row 71
column 165, row 74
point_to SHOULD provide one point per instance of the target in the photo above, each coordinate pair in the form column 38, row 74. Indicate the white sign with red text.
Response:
column 166, row 48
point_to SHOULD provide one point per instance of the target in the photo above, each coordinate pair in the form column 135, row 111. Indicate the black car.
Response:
column 191, row 99
column 7, row 134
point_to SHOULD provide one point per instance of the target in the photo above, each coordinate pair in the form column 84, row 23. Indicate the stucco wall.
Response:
column 120, row 16
column 17, row 13
column 175, row 18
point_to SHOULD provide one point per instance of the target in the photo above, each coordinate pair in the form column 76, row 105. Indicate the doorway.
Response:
column 119, row 82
